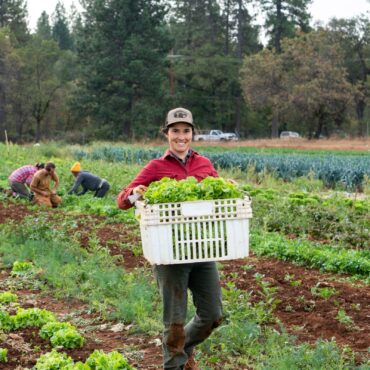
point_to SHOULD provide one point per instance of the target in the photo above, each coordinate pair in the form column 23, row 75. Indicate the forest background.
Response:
column 112, row 70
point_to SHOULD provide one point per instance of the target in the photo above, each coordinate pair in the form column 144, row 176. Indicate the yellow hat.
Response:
column 76, row 167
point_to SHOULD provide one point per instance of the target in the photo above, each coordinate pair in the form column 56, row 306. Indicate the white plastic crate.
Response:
column 198, row 231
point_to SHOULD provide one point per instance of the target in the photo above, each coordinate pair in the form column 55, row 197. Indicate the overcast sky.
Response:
column 321, row 10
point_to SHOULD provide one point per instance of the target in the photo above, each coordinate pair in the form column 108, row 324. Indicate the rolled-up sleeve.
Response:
column 145, row 177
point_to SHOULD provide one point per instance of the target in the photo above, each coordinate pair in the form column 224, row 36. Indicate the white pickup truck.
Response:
column 214, row 135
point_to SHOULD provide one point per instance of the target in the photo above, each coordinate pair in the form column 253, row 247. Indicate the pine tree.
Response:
column 43, row 29
column 60, row 29
column 13, row 14
column 354, row 37
column 283, row 17
column 241, row 40
column 122, row 47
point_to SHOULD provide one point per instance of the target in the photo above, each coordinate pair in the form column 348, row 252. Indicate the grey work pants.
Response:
column 21, row 189
column 174, row 281
column 102, row 190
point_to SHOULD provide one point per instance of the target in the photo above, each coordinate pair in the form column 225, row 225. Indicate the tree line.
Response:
column 112, row 70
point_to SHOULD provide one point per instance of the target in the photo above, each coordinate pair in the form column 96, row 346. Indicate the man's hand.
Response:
column 140, row 189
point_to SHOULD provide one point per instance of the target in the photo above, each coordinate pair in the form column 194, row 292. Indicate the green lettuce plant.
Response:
column 99, row 360
column 8, row 297
column 3, row 355
column 32, row 317
column 53, row 361
column 67, row 338
column 50, row 328
column 21, row 268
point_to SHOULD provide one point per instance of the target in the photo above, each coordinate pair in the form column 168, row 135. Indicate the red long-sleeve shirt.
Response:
column 168, row 166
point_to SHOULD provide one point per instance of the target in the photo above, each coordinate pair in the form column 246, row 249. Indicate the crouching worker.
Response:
column 88, row 181
column 21, row 178
column 40, row 185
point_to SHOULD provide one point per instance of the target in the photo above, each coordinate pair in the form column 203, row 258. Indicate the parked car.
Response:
column 289, row 135
column 215, row 135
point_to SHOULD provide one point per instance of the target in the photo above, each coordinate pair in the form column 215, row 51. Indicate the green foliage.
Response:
column 305, row 253
column 8, row 297
column 32, row 317
column 243, row 341
column 67, row 338
column 323, row 355
column 99, row 360
column 50, row 328
column 77, row 366
column 53, row 361
column 21, row 268
column 346, row 171
column 6, row 321
column 323, row 292
column 13, row 15
column 60, row 31
column 93, row 278
column 169, row 190
column 330, row 219
column 343, row 318
column 3, row 355
column 283, row 17
column 121, row 75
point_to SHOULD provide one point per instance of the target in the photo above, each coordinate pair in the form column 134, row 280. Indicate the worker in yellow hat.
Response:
column 88, row 181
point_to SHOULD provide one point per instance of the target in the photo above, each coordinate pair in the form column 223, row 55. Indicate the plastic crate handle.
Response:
column 194, row 209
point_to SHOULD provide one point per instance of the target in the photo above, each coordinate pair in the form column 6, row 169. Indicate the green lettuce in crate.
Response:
column 169, row 190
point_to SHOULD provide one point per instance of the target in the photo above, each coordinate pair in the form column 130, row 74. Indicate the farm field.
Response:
column 300, row 301
column 302, row 144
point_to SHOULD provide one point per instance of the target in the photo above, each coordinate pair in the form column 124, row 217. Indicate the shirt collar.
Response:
column 173, row 155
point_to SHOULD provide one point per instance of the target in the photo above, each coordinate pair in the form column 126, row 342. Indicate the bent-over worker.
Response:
column 40, row 185
column 88, row 181
column 20, row 179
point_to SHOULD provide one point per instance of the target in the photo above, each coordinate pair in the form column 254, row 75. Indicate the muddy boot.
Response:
column 191, row 364
column 8, row 192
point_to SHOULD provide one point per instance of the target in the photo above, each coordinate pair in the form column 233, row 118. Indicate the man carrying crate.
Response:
column 201, row 278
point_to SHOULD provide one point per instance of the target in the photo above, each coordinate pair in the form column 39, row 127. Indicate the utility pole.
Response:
column 171, row 74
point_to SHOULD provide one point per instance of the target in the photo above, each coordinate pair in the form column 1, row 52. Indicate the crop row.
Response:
column 348, row 171
column 60, row 334
column 325, row 258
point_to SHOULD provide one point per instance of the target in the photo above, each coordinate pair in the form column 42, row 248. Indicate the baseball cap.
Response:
column 179, row 115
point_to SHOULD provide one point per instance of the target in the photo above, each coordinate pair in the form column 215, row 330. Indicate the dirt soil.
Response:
column 305, row 315
column 301, row 144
